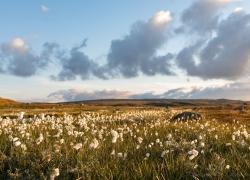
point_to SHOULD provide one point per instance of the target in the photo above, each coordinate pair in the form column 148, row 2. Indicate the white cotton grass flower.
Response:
column 115, row 136
column 233, row 137
column 55, row 172
column 112, row 152
column 61, row 141
column 15, row 139
column 17, row 143
column 193, row 153
column 120, row 155
column 169, row 136
column 77, row 146
column 23, row 147
column 125, row 155
column 227, row 166
column 216, row 136
column 94, row 144
column 202, row 144
column 39, row 139
column 42, row 116
column 164, row 153
column 147, row 155
column 21, row 115
column 139, row 139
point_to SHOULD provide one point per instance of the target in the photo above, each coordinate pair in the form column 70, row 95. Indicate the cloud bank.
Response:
column 219, row 49
column 76, row 95
column 237, row 91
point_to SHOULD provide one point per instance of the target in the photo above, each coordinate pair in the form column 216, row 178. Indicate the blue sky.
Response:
column 68, row 23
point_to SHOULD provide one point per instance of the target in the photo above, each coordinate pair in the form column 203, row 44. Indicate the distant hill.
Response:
column 4, row 102
column 159, row 102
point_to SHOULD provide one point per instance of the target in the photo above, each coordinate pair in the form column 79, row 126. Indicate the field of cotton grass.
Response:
column 129, row 144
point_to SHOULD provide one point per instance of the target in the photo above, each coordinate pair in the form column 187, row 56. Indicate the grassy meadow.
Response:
column 110, row 142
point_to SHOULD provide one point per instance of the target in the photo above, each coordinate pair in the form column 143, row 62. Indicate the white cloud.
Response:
column 17, row 43
column 238, row 9
column 234, row 90
column 77, row 95
column 161, row 18
column 44, row 8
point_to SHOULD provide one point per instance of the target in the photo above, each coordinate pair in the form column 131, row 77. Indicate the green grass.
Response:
column 39, row 160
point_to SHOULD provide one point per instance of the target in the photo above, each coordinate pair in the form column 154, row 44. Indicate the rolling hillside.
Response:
column 4, row 101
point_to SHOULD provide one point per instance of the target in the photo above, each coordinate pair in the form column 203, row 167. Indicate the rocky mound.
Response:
column 186, row 116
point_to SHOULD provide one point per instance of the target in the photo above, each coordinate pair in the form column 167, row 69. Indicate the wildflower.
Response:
column 169, row 136
column 195, row 166
column 147, row 155
column 115, row 136
column 227, row 166
column 164, row 153
column 77, row 146
column 24, row 147
column 42, row 116
column 61, row 141
column 233, row 137
column 125, row 155
column 21, row 115
column 15, row 139
column 120, row 155
column 113, row 152
column 94, row 144
column 139, row 139
column 202, row 144
column 193, row 153
column 40, row 139
column 55, row 173
column 17, row 143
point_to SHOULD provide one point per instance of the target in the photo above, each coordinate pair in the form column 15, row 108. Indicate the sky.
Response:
column 64, row 50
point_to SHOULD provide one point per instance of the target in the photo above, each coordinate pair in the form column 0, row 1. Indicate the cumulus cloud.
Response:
column 137, row 52
column 128, row 57
column 18, row 59
column 203, row 15
column 76, row 95
column 226, row 55
column 77, row 63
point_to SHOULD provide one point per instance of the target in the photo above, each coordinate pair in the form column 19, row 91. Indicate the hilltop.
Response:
column 4, row 101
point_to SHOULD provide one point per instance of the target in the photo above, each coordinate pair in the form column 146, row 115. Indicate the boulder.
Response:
column 186, row 116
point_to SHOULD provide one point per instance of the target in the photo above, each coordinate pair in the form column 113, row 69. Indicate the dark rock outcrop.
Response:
column 186, row 116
